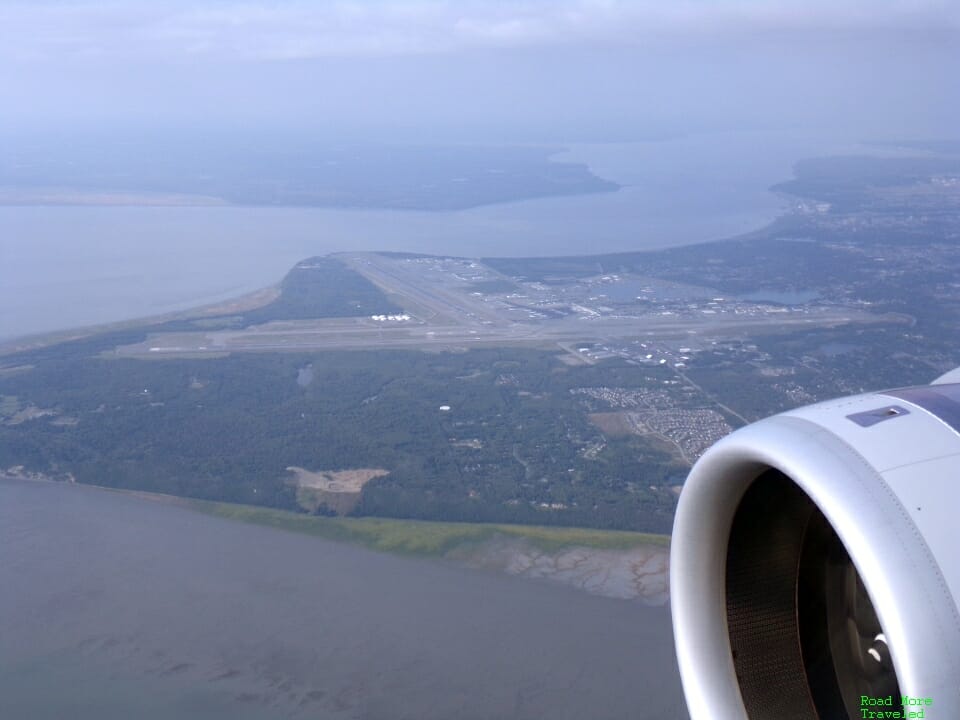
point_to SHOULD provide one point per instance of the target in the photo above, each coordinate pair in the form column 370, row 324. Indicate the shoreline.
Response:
column 239, row 303
column 263, row 242
column 263, row 296
column 608, row 563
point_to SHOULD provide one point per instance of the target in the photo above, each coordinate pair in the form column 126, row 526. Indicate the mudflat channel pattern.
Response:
column 115, row 607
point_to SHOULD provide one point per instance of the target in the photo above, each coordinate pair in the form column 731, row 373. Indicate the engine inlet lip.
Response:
column 869, row 520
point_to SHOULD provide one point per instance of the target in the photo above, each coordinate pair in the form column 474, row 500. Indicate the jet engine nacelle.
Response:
column 815, row 563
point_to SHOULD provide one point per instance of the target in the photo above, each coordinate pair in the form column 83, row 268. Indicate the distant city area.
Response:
column 568, row 390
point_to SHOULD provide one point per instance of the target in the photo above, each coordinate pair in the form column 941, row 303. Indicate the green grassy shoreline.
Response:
column 425, row 538
column 392, row 535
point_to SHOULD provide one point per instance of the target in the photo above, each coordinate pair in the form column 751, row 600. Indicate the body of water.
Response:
column 113, row 607
column 63, row 267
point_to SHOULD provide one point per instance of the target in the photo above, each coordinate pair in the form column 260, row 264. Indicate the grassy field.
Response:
column 414, row 537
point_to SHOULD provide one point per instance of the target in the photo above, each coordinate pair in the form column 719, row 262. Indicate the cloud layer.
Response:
column 172, row 30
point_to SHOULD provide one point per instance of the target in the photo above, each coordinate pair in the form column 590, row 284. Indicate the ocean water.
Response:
column 115, row 607
column 63, row 267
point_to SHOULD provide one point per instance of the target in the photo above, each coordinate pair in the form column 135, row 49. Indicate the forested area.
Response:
column 513, row 447
column 859, row 182
column 318, row 287
column 322, row 287
column 491, row 435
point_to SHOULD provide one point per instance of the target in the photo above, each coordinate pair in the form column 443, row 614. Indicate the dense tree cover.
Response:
column 322, row 287
column 732, row 266
column 850, row 183
column 513, row 441
column 319, row 287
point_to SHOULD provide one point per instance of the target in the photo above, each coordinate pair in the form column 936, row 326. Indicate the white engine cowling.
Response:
column 815, row 563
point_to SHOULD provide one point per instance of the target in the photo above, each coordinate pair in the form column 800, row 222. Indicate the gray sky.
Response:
column 464, row 69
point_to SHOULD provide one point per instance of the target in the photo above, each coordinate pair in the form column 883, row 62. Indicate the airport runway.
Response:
column 444, row 314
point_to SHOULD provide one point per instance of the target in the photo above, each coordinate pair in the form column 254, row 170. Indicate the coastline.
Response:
column 66, row 266
column 240, row 303
column 607, row 563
